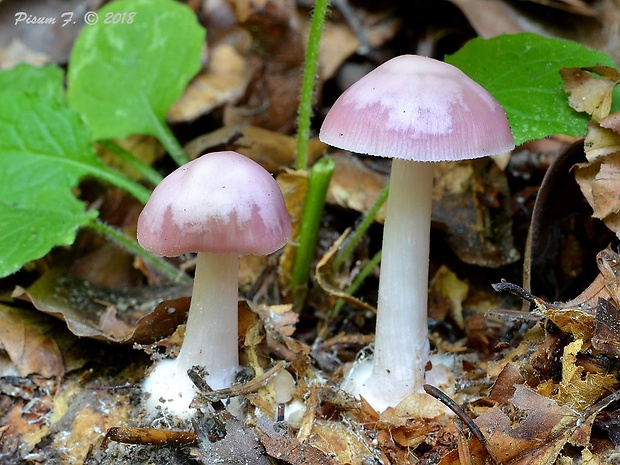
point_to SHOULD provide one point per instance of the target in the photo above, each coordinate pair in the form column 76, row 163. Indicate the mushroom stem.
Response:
column 212, row 320
column 401, row 342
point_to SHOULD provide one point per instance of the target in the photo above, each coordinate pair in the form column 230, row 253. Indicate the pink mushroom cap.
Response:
column 417, row 108
column 222, row 202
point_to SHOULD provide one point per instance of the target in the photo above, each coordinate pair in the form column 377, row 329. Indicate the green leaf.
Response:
column 45, row 150
column 47, row 80
column 33, row 226
column 522, row 71
column 124, row 77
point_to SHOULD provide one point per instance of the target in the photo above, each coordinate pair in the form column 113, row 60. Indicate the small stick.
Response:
column 150, row 436
column 238, row 389
column 458, row 411
column 505, row 286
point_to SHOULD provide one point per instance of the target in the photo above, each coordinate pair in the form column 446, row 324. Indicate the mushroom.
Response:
column 221, row 205
column 415, row 110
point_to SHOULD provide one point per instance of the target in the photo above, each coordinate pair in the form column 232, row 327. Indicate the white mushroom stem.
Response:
column 401, row 342
column 211, row 338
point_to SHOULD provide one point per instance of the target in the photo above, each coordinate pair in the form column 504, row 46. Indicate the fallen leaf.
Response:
column 447, row 292
column 271, row 150
column 589, row 93
column 338, row 440
column 354, row 185
column 282, row 444
column 606, row 336
column 272, row 94
column 534, row 435
column 84, row 307
column 580, row 390
column 222, row 82
column 28, row 338
column 474, row 210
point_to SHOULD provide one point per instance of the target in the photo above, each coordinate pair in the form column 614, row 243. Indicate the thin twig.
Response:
column 458, row 411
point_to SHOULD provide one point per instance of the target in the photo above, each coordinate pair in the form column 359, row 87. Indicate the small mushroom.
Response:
column 415, row 110
column 221, row 205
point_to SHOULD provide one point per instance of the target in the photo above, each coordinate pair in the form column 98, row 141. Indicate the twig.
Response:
column 458, row 411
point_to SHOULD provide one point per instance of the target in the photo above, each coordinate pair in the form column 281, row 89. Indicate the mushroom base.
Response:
column 169, row 387
column 361, row 382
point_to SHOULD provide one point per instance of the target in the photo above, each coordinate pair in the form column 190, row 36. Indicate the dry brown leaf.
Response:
column 474, row 210
column 354, row 185
column 294, row 185
column 589, row 93
column 271, row 150
column 600, row 142
column 281, row 443
column 535, row 434
column 272, row 94
column 338, row 440
column 580, row 390
column 611, row 122
column 338, row 43
column 599, row 184
column 606, row 336
column 28, row 339
column 222, row 82
column 446, row 294
column 91, row 311
column 504, row 387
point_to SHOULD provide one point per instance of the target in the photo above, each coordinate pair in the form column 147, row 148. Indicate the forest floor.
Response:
column 524, row 286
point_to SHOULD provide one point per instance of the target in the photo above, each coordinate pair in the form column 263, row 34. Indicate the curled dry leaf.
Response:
column 599, row 183
column 99, row 313
column 589, row 93
column 580, row 389
column 562, row 234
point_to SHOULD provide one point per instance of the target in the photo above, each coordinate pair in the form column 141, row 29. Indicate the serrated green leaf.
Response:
column 45, row 150
column 522, row 71
column 46, row 80
column 124, row 77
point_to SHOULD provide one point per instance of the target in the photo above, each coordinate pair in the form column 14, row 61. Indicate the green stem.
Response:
column 159, row 264
column 346, row 249
column 320, row 176
column 170, row 143
column 146, row 171
column 307, row 86
column 121, row 181
column 356, row 283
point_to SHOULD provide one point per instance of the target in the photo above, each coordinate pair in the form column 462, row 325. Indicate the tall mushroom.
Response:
column 415, row 110
column 221, row 205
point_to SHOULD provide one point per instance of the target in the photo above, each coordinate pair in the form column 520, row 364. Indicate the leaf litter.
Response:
column 541, row 388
